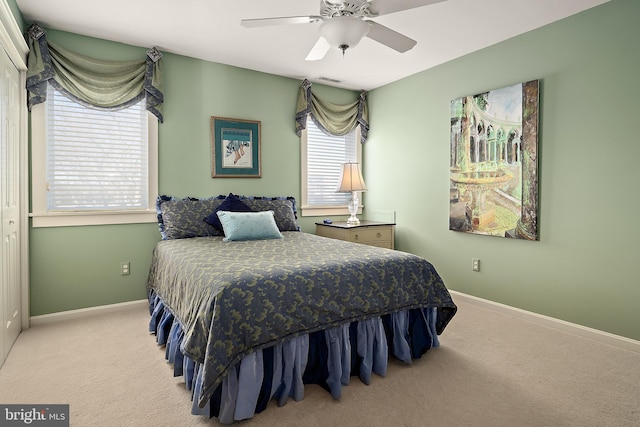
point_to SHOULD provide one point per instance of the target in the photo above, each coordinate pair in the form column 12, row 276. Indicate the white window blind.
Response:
column 325, row 156
column 96, row 160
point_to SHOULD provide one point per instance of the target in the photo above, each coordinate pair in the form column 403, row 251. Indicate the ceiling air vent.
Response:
column 327, row 79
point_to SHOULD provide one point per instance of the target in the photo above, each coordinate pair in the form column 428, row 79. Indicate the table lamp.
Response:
column 351, row 181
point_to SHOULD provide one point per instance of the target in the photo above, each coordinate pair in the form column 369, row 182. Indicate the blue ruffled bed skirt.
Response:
column 328, row 358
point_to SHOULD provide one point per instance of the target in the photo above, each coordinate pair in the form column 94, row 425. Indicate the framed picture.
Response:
column 493, row 169
column 235, row 148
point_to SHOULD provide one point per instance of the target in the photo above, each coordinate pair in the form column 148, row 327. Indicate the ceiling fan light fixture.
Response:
column 344, row 32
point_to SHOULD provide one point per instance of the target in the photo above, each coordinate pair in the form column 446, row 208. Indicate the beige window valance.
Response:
column 109, row 85
column 333, row 119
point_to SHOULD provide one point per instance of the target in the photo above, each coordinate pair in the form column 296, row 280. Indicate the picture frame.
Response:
column 235, row 148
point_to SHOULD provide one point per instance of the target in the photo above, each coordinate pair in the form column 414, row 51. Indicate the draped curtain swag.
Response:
column 332, row 119
column 107, row 85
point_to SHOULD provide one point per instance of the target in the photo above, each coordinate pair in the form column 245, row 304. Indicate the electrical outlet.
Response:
column 125, row 268
column 475, row 264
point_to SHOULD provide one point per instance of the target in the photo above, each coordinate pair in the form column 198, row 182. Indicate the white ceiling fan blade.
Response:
column 384, row 7
column 265, row 22
column 390, row 38
column 319, row 50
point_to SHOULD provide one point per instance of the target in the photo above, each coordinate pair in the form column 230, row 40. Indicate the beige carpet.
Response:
column 492, row 370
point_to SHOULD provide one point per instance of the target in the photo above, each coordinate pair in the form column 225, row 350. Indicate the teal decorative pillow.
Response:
column 239, row 226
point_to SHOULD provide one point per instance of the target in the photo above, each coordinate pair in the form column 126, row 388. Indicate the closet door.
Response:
column 10, row 201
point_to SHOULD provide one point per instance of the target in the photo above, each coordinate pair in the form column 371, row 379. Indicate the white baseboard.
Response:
column 572, row 328
column 86, row 312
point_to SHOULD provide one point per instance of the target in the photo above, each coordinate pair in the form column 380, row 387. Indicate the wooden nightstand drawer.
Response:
column 368, row 233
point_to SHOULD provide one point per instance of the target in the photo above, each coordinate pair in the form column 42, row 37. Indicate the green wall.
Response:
column 583, row 267
column 581, row 270
column 78, row 267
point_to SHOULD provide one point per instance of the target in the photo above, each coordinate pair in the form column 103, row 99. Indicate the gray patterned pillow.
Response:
column 184, row 218
column 283, row 209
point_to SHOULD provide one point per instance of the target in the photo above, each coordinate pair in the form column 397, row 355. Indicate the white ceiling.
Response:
column 210, row 30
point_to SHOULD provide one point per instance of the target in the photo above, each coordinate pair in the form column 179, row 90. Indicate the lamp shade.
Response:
column 344, row 31
column 351, row 179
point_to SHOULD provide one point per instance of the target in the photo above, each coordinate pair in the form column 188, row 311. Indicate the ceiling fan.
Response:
column 344, row 23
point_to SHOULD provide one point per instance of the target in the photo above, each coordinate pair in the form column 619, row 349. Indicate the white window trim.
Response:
column 42, row 218
column 323, row 210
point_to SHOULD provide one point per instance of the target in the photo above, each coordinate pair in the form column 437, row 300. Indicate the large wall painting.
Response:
column 494, row 162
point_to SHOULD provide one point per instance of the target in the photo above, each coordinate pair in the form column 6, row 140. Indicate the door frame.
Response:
column 13, row 42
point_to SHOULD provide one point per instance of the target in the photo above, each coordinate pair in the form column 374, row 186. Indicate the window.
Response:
column 322, row 158
column 92, row 166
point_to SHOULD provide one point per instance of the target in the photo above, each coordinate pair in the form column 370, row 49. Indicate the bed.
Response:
column 250, row 308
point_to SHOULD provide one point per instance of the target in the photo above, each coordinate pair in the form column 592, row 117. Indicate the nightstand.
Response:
column 371, row 233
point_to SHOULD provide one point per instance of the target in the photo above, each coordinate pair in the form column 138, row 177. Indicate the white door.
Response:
column 9, row 197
